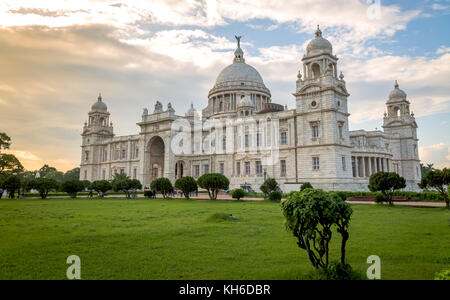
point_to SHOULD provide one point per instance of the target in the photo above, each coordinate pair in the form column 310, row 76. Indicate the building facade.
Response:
column 246, row 137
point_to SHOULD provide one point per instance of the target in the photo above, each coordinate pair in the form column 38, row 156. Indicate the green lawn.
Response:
column 175, row 239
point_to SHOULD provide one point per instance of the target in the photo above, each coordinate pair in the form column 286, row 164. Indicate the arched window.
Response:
column 316, row 71
column 221, row 106
column 396, row 111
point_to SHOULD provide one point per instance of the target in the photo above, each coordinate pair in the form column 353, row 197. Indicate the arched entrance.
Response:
column 156, row 151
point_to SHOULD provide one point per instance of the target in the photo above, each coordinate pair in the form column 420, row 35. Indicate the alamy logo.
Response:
column 374, row 270
column 74, row 270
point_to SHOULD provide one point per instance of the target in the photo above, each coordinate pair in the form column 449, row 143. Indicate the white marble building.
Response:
column 312, row 142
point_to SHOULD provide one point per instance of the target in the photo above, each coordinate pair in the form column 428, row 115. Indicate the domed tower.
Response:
column 399, row 122
column 321, row 104
column 234, row 81
column 245, row 106
column 95, row 131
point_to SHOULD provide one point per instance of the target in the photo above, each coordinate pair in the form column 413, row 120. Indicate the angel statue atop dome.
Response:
column 238, row 38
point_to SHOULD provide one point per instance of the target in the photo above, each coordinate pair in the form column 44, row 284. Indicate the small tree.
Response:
column 305, row 186
column 44, row 186
column 386, row 183
column 342, row 219
column 269, row 186
column 162, row 185
column 72, row 187
column 310, row 216
column 187, row 184
column 275, row 196
column 237, row 194
column 125, row 185
column 101, row 186
column 213, row 183
column 11, row 183
column 437, row 179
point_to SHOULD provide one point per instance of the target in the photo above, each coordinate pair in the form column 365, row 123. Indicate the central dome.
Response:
column 238, row 73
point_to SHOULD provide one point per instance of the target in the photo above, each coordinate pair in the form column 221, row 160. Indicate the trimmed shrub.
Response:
column 72, row 187
column 275, row 196
column 237, row 194
column 213, row 182
column 162, row 185
column 269, row 186
column 101, row 186
column 305, row 186
column 386, row 183
column 45, row 185
column 187, row 184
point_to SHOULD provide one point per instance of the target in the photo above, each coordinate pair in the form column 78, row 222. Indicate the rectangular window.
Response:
column 354, row 166
column 315, row 131
column 315, row 163
column 246, row 140
column 283, row 167
column 137, row 152
column 258, row 139
column 134, row 173
column 86, row 155
column 103, row 174
column 206, row 169
column 122, row 171
column 124, row 154
column 344, row 164
column 284, row 138
column 197, row 171
column 224, row 144
column 222, row 168
column 341, row 136
column 247, row 168
column 85, row 175
column 259, row 169
column 238, row 168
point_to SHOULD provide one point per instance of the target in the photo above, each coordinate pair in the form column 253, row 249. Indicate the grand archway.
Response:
column 156, row 150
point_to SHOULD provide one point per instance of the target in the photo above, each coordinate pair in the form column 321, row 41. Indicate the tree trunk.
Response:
column 345, row 237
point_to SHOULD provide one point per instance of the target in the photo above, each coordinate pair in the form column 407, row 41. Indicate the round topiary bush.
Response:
column 213, row 182
column 237, row 194
column 275, row 196
column 187, row 184
column 305, row 186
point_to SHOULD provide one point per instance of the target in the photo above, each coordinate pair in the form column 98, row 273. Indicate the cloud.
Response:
column 437, row 154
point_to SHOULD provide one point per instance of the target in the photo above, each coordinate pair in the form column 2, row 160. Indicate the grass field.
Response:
column 180, row 239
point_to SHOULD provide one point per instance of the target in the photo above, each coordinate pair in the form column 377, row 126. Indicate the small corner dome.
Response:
column 99, row 106
column 397, row 93
column 319, row 45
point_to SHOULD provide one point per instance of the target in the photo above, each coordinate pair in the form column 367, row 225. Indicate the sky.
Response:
column 57, row 56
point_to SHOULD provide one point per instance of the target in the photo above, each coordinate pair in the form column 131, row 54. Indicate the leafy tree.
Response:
column 437, row 179
column 56, row 175
column 45, row 169
column 237, row 194
column 342, row 220
column 11, row 183
column 386, row 183
column 162, row 185
column 187, row 184
column 426, row 168
column 305, row 186
column 5, row 141
column 72, row 174
column 275, row 196
column 213, row 182
column 43, row 186
column 269, row 186
column 310, row 216
column 9, row 164
column 72, row 187
column 125, row 185
column 86, row 183
column 101, row 186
